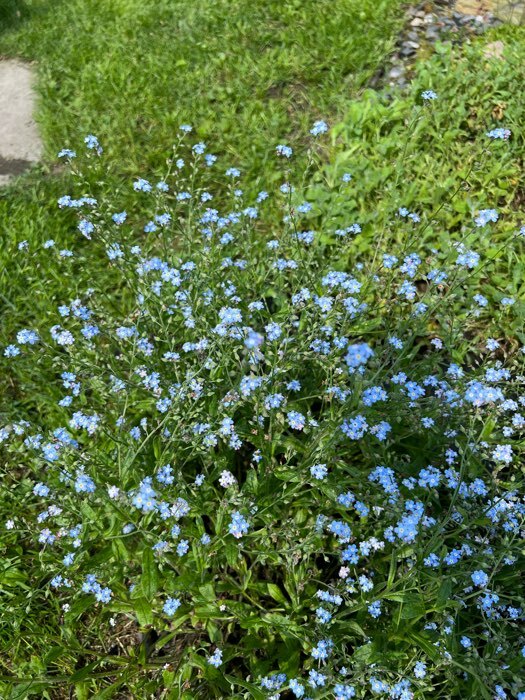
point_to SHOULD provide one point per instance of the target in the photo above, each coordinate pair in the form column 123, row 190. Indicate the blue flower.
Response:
column 273, row 401
column 323, row 616
column 358, row 355
column 432, row 561
column 375, row 609
column 238, row 526
column 502, row 453
column 319, row 471
column 322, row 651
column 373, row 395
column 27, row 337
column 282, row 150
column 84, row 483
column 119, row 218
column 86, row 228
column 216, row 658
column 319, row 127
column 171, row 606
column 480, row 578
column 343, row 692
column 294, row 385
column 183, row 547
column 273, row 331
column 499, row 133
column 296, row 688
column 296, row 420
column 142, row 185
column 92, row 143
column 484, row 216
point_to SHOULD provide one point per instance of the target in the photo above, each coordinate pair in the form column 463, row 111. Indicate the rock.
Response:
column 429, row 22
column 494, row 50
column 432, row 34
column 469, row 7
column 396, row 72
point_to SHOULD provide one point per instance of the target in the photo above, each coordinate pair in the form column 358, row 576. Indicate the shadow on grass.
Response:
column 13, row 13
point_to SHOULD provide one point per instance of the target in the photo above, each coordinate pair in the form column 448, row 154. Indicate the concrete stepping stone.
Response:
column 20, row 143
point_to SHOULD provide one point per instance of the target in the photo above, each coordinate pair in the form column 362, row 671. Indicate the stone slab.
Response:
column 20, row 143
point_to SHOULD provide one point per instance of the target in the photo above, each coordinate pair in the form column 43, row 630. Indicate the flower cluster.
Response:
column 269, row 441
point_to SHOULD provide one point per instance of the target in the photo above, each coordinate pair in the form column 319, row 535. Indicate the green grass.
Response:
column 247, row 74
column 244, row 73
column 446, row 164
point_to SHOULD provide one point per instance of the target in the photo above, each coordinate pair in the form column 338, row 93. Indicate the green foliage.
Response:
column 445, row 154
column 340, row 460
column 243, row 73
column 446, row 164
column 247, row 75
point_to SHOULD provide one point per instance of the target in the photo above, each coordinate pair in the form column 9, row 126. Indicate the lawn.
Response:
column 244, row 74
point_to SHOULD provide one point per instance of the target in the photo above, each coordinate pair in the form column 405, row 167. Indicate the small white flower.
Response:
column 227, row 479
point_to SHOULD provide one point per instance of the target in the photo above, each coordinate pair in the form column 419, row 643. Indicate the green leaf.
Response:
column 413, row 606
column 256, row 693
column 82, row 691
column 276, row 593
column 53, row 654
column 150, row 577
column 207, row 592
column 143, row 611
column 27, row 689
column 232, row 553
column 119, row 550
column 353, row 625
column 424, row 643
column 80, row 606
column 444, row 595
column 110, row 691
column 83, row 673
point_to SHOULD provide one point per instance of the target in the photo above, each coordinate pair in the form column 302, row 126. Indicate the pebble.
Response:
column 427, row 23
column 396, row 72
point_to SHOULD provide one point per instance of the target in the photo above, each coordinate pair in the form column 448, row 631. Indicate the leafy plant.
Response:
column 275, row 464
